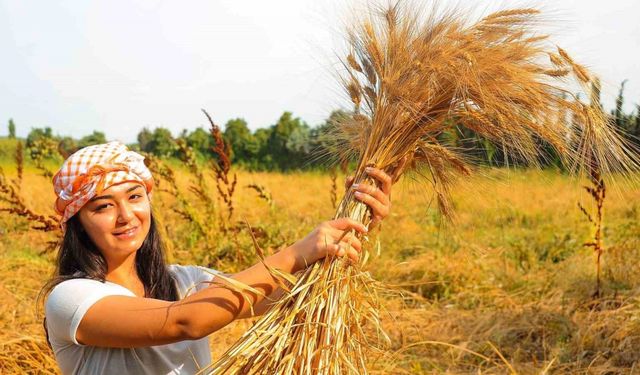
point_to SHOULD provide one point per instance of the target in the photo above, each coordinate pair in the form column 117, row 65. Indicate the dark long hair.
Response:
column 79, row 257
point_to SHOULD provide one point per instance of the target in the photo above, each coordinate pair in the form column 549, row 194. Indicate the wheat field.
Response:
column 507, row 288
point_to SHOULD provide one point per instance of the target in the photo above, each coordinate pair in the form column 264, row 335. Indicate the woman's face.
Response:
column 118, row 220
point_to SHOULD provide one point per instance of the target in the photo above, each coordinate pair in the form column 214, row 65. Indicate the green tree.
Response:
column 323, row 145
column 620, row 118
column 67, row 146
column 12, row 129
column 264, row 160
column 41, row 144
column 288, row 142
column 183, row 134
column 299, row 141
column 144, row 139
column 37, row 134
column 94, row 138
column 200, row 140
column 162, row 143
column 634, row 125
column 244, row 145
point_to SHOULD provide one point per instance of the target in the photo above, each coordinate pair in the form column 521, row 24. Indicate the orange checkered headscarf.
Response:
column 93, row 169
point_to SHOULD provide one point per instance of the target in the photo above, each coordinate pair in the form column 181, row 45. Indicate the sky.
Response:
column 117, row 66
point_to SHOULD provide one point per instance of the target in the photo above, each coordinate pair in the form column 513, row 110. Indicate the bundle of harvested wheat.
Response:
column 412, row 78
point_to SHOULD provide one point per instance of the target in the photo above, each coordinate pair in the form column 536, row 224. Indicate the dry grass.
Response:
column 413, row 77
column 513, row 274
column 14, row 202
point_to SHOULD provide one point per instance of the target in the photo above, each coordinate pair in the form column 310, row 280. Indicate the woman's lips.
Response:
column 127, row 234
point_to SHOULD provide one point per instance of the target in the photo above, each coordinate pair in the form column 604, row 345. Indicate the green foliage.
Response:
column 37, row 134
column 628, row 124
column 636, row 121
column 323, row 147
column 144, row 139
column 41, row 145
column 12, row 129
column 245, row 146
column 288, row 142
column 94, row 138
column 160, row 142
column 200, row 140
column 618, row 115
column 67, row 146
column 264, row 160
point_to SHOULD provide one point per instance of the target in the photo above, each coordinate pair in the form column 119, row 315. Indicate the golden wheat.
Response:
column 411, row 80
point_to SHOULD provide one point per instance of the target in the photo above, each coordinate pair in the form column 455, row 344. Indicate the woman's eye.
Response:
column 135, row 196
column 102, row 207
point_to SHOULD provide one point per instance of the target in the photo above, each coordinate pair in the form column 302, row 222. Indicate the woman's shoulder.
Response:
column 69, row 301
column 77, row 284
column 78, row 289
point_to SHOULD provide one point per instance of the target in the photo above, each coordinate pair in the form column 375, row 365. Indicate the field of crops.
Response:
column 508, row 287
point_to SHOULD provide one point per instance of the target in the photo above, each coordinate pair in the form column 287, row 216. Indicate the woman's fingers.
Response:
column 379, row 209
column 399, row 167
column 384, row 179
column 332, row 238
column 352, row 254
column 373, row 191
column 348, row 182
column 350, row 240
column 375, row 221
column 345, row 244
column 342, row 249
column 347, row 223
column 347, row 239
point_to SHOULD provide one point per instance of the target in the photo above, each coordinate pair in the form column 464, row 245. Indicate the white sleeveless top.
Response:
column 69, row 301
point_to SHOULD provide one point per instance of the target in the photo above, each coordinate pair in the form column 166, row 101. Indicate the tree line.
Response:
column 290, row 143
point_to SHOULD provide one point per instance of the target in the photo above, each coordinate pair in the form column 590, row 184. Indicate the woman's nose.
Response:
column 125, row 213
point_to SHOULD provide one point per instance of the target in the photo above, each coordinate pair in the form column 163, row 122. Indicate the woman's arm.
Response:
column 263, row 306
column 125, row 322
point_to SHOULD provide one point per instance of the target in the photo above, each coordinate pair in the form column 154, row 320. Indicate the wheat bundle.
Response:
column 411, row 79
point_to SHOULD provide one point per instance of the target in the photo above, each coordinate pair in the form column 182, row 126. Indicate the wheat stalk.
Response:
column 263, row 193
column 221, row 167
column 410, row 80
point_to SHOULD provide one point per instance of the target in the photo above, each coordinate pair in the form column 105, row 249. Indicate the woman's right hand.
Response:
column 325, row 240
column 130, row 322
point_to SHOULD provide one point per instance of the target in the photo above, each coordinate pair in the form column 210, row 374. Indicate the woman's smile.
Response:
column 127, row 233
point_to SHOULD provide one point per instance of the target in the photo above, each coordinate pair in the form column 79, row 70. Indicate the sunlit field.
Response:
column 507, row 287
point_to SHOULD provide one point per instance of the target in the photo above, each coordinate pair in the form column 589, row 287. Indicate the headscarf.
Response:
column 90, row 170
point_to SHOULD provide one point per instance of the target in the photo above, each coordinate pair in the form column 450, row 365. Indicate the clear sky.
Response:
column 116, row 66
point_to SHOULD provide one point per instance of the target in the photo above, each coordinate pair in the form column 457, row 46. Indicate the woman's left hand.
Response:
column 377, row 198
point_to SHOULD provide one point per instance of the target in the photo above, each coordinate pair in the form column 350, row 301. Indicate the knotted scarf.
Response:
column 92, row 169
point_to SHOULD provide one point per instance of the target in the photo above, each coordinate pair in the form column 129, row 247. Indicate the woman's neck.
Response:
column 124, row 273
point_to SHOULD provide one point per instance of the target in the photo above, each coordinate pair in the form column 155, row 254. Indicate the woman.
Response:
column 114, row 307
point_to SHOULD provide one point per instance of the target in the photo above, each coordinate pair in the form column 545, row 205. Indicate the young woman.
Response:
column 114, row 307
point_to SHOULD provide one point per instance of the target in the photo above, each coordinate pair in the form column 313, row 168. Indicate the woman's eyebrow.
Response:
column 111, row 196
